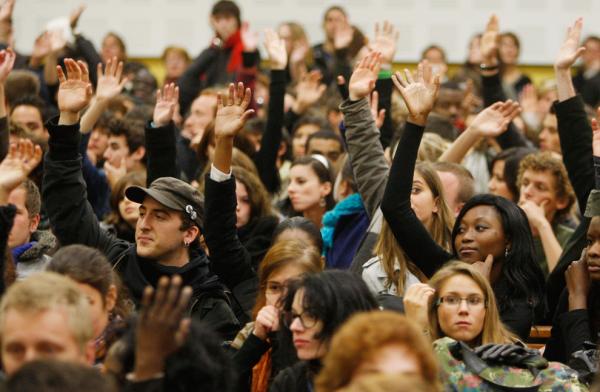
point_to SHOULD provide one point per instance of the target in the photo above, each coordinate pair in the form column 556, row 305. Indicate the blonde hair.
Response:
column 387, row 248
column 432, row 147
column 361, row 338
column 494, row 330
column 45, row 291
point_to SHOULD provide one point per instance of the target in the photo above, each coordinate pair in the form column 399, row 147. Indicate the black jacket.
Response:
column 297, row 378
column 571, row 328
column 73, row 222
column 575, row 134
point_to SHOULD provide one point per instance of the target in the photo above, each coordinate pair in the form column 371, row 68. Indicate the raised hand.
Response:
column 308, row 91
column 276, row 49
column 489, row 41
column 596, row 135
column 162, row 326
column 6, row 11
column 232, row 112
column 417, row 300
column 378, row 115
column 23, row 156
column 363, row 79
column 420, row 93
column 343, row 37
column 166, row 101
column 110, row 81
column 267, row 320
column 75, row 90
column 41, row 48
column 249, row 38
column 75, row 15
column 570, row 50
column 494, row 120
column 385, row 41
column 7, row 62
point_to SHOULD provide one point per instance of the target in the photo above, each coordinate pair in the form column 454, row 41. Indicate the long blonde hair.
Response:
column 442, row 221
column 494, row 330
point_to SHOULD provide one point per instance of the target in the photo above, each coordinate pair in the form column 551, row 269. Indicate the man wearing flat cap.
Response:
column 167, row 231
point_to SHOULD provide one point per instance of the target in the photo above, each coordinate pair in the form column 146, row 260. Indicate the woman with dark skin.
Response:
column 490, row 232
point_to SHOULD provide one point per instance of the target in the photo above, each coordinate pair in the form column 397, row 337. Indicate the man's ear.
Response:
column 139, row 153
column 34, row 222
column 190, row 234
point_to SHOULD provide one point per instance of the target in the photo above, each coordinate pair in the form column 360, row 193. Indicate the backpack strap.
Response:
column 476, row 365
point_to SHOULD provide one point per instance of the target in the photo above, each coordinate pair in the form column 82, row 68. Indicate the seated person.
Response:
column 546, row 196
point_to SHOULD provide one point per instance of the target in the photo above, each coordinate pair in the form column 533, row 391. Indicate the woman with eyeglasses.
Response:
column 313, row 309
column 260, row 351
column 459, row 303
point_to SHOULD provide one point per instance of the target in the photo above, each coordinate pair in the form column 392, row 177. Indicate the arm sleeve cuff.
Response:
column 217, row 175
column 64, row 140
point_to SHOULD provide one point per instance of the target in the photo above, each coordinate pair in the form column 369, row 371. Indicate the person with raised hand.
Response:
column 487, row 228
column 491, row 122
column 231, row 53
column 20, row 212
column 7, row 62
column 575, row 135
column 167, row 230
column 492, row 90
column 577, row 315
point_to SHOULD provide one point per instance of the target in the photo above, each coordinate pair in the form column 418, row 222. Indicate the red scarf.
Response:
column 237, row 47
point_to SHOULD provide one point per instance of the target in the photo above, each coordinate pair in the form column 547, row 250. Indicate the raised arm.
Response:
column 64, row 192
column 22, row 158
column 229, row 259
column 492, row 84
column 419, row 94
column 7, row 62
column 266, row 157
column 573, row 126
column 161, row 151
column 385, row 42
column 110, row 84
column 490, row 122
column 362, row 136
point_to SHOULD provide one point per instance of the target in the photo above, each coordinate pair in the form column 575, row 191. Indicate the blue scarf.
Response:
column 17, row 251
column 350, row 205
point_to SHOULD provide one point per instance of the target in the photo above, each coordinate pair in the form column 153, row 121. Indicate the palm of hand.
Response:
column 308, row 92
column 12, row 172
column 489, row 44
column 108, row 87
column 490, row 123
column 163, row 111
column 419, row 98
column 73, row 95
column 277, row 54
column 567, row 54
column 596, row 143
column 386, row 46
column 361, row 82
column 228, row 121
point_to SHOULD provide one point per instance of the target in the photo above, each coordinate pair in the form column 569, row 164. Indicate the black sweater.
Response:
column 575, row 134
column 414, row 238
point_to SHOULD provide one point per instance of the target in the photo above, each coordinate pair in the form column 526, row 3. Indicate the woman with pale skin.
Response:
column 261, row 353
column 313, row 309
column 310, row 191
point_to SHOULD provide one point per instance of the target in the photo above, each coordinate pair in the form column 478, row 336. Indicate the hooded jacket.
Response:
column 37, row 256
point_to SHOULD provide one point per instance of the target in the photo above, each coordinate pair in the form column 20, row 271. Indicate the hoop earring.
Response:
column 506, row 253
column 186, row 244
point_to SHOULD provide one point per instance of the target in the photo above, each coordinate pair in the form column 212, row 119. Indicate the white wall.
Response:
column 150, row 25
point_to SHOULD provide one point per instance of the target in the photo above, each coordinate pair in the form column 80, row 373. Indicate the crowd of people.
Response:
column 308, row 221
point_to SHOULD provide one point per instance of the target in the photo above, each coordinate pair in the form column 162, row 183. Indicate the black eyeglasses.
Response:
column 306, row 319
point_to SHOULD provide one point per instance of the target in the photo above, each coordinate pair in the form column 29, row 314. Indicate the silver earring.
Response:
column 186, row 244
column 506, row 253
column 322, row 202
